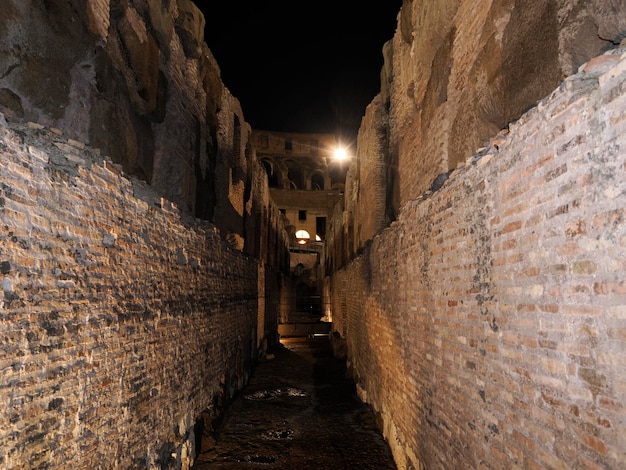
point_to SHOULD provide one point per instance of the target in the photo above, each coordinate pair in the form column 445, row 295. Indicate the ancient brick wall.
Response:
column 122, row 319
column 486, row 325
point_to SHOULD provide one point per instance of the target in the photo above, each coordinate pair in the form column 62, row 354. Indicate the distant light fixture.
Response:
column 340, row 154
column 302, row 236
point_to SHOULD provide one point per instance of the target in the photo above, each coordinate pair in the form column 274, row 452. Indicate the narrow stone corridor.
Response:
column 155, row 239
column 299, row 411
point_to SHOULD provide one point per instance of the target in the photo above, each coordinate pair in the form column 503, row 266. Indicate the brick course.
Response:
column 486, row 323
column 121, row 318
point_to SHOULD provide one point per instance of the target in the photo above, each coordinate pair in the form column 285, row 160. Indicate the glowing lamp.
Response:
column 302, row 236
column 340, row 154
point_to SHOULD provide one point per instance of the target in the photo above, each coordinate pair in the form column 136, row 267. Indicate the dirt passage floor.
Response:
column 298, row 412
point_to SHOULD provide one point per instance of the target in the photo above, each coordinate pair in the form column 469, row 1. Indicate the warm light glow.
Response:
column 340, row 154
column 302, row 236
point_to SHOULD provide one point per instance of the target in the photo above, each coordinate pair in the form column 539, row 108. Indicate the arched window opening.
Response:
column 294, row 174
column 273, row 176
column 317, row 181
column 337, row 176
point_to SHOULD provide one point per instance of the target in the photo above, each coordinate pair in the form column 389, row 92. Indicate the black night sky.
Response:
column 301, row 66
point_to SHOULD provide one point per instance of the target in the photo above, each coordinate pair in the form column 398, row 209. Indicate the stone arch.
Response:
column 274, row 177
column 295, row 174
column 317, row 181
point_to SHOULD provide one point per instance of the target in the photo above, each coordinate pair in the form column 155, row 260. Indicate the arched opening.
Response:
column 317, row 181
column 273, row 175
column 302, row 237
column 294, row 174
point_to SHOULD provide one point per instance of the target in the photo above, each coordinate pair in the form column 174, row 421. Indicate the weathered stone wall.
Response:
column 486, row 325
column 457, row 72
column 266, row 239
column 122, row 319
column 125, row 315
column 136, row 80
column 367, row 208
column 462, row 70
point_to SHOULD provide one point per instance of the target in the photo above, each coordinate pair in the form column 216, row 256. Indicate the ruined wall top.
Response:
column 135, row 79
column 132, row 78
column 462, row 70
column 456, row 73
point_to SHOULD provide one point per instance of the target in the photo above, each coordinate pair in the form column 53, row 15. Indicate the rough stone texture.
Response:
column 455, row 74
column 368, row 210
column 486, row 324
column 190, row 28
column 125, row 315
column 462, row 70
column 122, row 318
column 134, row 79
